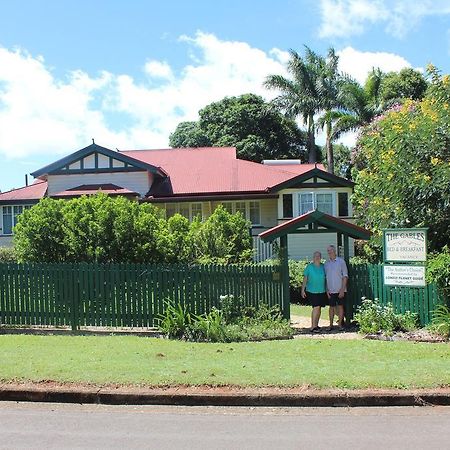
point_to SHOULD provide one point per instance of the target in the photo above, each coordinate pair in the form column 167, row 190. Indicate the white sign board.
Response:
column 402, row 275
column 405, row 245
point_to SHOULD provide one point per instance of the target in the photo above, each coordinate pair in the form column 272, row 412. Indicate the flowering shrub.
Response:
column 402, row 166
column 372, row 317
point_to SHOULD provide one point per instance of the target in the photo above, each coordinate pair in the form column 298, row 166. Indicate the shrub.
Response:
column 103, row 229
column 372, row 317
column 441, row 321
column 175, row 320
column 7, row 255
column 225, row 325
column 223, row 238
column 438, row 271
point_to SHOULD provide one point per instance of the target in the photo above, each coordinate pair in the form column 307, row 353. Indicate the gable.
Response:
column 313, row 179
column 96, row 159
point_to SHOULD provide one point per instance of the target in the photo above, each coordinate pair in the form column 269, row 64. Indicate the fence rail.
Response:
column 125, row 295
column 366, row 280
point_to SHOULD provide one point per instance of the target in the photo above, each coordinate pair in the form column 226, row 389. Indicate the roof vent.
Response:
column 284, row 162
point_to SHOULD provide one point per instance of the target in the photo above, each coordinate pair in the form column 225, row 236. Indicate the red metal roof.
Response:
column 90, row 189
column 214, row 170
column 35, row 191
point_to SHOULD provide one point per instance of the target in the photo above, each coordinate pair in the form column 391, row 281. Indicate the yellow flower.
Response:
column 435, row 161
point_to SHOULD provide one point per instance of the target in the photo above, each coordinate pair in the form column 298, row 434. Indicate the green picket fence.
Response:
column 125, row 295
column 366, row 280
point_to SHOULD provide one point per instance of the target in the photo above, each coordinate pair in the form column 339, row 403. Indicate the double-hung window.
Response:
column 309, row 201
column 250, row 210
column 188, row 210
column 306, row 203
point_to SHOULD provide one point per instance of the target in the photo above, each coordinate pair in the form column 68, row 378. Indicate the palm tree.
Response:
column 309, row 90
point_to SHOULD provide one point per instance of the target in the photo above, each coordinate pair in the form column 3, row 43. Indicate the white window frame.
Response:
column 247, row 209
column 176, row 207
column 314, row 198
column 14, row 217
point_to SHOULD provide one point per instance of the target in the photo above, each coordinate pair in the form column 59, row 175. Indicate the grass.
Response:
column 305, row 311
column 150, row 361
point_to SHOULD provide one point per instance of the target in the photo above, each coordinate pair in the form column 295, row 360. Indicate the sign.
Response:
column 405, row 244
column 403, row 275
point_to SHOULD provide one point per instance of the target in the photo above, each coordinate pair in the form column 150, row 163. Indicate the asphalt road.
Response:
column 51, row 426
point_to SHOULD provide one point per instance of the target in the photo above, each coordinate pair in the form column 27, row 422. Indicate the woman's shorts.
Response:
column 317, row 299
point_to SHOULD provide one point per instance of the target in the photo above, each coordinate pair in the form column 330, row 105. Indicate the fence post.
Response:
column 286, row 307
column 74, row 300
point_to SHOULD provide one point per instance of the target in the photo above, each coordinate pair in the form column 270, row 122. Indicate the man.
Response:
column 337, row 277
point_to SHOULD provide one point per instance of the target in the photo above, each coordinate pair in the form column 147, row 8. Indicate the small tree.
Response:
column 224, row 238
column 403, row 162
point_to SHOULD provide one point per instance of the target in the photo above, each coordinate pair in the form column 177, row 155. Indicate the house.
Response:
column 193, row 182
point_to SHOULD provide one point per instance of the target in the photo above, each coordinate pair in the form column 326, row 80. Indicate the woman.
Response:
column 314, row 289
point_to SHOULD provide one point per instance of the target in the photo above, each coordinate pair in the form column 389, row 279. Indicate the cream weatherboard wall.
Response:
column 139, row 182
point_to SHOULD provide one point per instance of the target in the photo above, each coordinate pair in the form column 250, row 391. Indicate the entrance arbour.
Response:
column 313, row 222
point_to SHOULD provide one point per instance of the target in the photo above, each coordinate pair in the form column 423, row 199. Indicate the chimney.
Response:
column 26, row 179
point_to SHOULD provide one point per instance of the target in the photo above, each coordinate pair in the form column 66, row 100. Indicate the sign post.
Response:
column 404, row 245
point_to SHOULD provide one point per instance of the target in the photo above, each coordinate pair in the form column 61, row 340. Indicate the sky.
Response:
column 127, row 72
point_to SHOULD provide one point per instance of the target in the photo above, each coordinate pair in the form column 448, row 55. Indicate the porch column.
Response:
column 285, row 277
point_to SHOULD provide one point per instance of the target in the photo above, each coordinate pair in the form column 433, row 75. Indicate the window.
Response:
column 249, row 210
column 196, row 211
column 306, row 203
column 324, row 203
column 343, row 204
column 241, row 207
column 228, row 206
column 10, row 215
column 287, row 206
column 7, row 220
column 184, row 210
column 171, row 210
column 188, row 210
column 255, row 213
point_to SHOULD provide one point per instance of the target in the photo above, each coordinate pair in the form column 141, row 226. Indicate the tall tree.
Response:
column 396, row 86
column 246, row 122
column 312, row 88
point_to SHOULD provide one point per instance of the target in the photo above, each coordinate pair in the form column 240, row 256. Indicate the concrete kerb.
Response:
column 278, row 398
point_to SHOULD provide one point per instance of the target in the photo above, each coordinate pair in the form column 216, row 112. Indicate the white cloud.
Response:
column 344, row 18
column 359, row 64
column 41, row 114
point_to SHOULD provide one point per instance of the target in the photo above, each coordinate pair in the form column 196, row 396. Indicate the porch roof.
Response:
column 314, row 219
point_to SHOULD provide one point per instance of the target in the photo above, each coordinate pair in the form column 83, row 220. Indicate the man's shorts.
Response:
column 317, row 299
column 334, row 299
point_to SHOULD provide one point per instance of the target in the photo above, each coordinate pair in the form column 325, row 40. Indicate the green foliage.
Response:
column 438, row 270
column 8, row 255
column 245, row 122
column 233, row 322
column 342, row 161
column 223, row 238
column 403, row 167
column 175, row 320
column 441, row 321
column 396, row 86
column 189, row 134
column 372, row 317
column 39, row 234
column 105, row 229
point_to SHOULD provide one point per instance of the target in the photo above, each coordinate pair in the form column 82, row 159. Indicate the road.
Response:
column 56, row 426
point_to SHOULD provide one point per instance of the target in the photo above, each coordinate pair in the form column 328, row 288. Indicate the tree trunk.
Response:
column 329, row 147
column 312, row 155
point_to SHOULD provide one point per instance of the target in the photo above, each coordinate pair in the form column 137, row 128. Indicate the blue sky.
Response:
column 126, row 72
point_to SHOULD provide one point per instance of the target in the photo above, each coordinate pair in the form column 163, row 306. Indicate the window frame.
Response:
column 233, row 204
column 14, row 216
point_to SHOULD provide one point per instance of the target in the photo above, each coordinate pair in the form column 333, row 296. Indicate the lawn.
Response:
column 305, row 311
column 150, row 361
